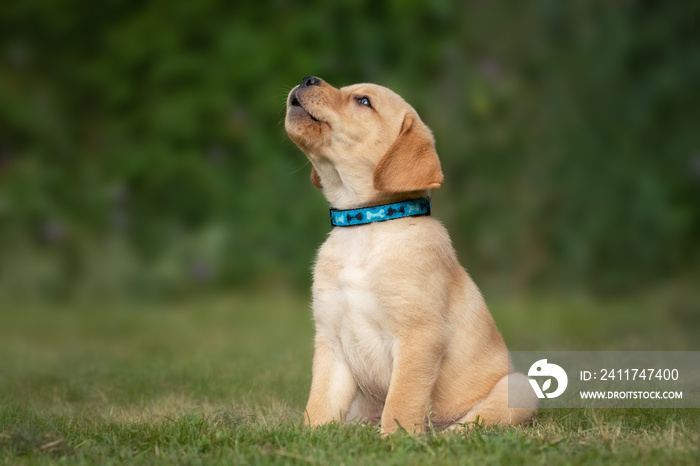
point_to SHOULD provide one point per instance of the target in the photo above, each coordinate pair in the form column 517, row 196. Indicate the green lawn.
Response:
column 224, row 379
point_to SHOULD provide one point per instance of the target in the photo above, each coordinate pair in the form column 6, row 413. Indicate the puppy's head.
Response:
column 366, row 144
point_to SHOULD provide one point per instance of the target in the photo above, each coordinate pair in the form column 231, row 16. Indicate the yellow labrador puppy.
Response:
column 403, row 336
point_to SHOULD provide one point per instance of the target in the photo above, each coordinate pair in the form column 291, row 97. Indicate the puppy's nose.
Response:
column 310, row 81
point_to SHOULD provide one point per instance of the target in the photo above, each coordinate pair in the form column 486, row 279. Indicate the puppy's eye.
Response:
column 363, row 101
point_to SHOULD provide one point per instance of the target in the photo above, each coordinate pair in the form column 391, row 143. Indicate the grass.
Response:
column 224, row 380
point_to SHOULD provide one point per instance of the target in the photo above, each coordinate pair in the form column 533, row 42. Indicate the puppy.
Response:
column 403, row 336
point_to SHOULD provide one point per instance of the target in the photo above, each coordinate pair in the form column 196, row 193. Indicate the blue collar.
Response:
column 380, row 213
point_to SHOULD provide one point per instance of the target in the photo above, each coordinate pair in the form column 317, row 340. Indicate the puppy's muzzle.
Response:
column 308, row 81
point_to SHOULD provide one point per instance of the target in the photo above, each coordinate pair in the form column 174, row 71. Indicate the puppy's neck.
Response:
column 353, row 189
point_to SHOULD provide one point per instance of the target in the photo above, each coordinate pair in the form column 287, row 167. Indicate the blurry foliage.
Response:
column 142, row 146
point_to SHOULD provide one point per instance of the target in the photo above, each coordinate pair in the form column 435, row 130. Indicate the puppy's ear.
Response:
column 411, row 163
column 315, row 179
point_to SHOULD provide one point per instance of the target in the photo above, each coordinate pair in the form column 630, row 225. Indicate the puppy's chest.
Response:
column 347, row 309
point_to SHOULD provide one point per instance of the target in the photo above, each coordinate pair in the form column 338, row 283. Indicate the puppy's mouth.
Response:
column 295, row 103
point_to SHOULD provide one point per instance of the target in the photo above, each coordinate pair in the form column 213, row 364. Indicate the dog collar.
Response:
column 380, row 213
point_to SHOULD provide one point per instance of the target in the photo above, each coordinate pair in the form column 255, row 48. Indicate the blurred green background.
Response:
column 157, row 227
column 143, row 152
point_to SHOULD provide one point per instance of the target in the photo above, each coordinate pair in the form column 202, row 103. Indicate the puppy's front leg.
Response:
column 332, row 386
column 415, row 370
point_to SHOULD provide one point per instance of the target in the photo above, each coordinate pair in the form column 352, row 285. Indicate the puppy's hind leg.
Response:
column 494, row 408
